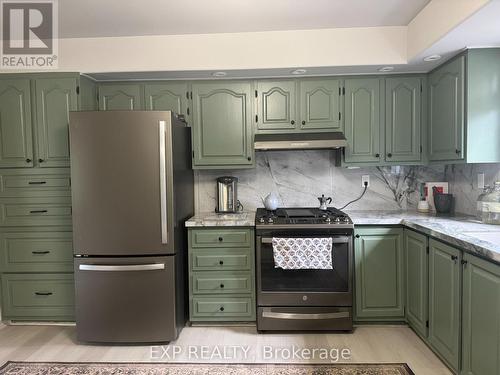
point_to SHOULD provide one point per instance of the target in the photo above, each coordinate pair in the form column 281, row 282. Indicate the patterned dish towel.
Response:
column 303, row 253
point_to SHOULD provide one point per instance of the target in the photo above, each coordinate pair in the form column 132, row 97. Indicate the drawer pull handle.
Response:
column 43, row 293
column 38, row 211
column 221, row 308
column 221, row 262
column 37, row 182
column 28, row 160
column 222, row 286
column 40, row 252
column 221, row 239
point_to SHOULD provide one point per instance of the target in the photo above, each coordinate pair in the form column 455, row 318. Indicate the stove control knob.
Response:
column 337, row 219
column 327, row 219
column 261, row 220
column 346, row 219
column 270, row 220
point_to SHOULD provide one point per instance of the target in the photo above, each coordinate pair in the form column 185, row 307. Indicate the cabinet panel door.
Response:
column 16, row 146
column 222, row 125
column 416, row 281
column 481, row 318
column 403, row 124
column 120, row 97
column 446, row 111
column 362, row 120
column 379, row 274
column 444, row 301
column 55, row 98
column 276, row 105
column 167, row 97
column 320, row 104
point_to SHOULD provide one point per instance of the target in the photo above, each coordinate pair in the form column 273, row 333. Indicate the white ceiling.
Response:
column 105, row 18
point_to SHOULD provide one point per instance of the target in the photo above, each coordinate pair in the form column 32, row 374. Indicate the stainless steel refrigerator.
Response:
column 132, row 190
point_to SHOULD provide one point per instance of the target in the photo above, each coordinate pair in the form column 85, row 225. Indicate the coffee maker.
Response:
column 227, row 195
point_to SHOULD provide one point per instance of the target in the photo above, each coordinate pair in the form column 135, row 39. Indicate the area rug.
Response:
column 62, row 368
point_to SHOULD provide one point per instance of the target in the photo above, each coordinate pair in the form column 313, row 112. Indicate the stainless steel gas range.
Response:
column 304, row 299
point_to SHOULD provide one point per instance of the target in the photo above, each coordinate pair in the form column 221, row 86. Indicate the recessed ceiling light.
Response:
column 219, row 74
column 299, row 71
column 386, row 69
column 432, row 58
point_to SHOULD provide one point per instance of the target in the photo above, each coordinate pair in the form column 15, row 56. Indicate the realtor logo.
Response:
column 29, row 34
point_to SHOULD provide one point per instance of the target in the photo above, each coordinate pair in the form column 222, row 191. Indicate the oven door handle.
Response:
column 335, row 239
column 296, row 316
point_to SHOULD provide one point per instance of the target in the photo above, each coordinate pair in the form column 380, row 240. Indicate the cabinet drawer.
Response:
column 35, row 185
column 36, row 252
column 37, row 297
column 222, row 308
column 221, row 282
column 220, row 260
column 35, row 211
column 221, row 238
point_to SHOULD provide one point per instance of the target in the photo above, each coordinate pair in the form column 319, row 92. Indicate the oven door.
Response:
column 280, row 287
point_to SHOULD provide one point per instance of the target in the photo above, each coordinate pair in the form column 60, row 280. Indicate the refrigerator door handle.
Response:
column 121, row 268
column 163, row 184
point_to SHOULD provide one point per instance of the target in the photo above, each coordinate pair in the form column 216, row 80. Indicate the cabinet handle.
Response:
column 40, row 160
column 454, row 258
column 28, row 160
column 222, row 286
column 221, row 308
column 303, row 122
column 221, row 239
column 292, row 122
column 249, row 158
column 38, row 211
column 43, row 293
column 221, row 262
column 357, row 235
column 40, row 252
column 389, row 155
column 464, row 262
column 36, row 182
column 457, row 151
column 377, row 155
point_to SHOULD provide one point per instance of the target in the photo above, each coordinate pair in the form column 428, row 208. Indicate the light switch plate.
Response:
column 365, row 178
column 480, row 180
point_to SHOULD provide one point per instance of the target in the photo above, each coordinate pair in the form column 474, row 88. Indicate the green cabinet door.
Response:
column 379, row 271
column 222, row 125
column 444, row 301
column 276, row 105
column 446, row 111
column 481, row 317
column 416, row 269
column 402, row 119
column 362, row 120
column 320, row 104
column 55, row 98
column 167, row 97
column 120, row 97
column 16, row 147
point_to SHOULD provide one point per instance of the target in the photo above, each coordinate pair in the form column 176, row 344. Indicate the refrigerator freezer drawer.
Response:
column 125, row 300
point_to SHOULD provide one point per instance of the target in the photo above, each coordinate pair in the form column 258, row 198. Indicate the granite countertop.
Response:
column 462, row 231
column 212, row 219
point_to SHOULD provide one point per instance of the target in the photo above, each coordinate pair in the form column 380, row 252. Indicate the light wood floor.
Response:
column 368, row 344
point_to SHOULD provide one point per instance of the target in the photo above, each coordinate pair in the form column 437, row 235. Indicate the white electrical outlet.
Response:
column 480, row 180
column 365, row 178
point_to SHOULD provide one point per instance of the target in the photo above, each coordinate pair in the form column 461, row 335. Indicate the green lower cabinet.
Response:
column 416, row 269
column 43, row 297
column 222, row 308
column 481, row 317
column 51, row 211
column 445, row 301
column 379, row 272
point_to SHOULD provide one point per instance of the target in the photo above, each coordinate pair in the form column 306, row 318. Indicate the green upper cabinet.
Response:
column 88, row 94
column 222, row 125
column 167, row 97
column 120, row 97
column 379, row 272
column 403, row 119
column 276, row 105
column 16, row 143
column 444, row 301
column 362, row 120
column 481, row 317
column 320, row 104
column 446, row 111
column 416, row 270
column 55, row 98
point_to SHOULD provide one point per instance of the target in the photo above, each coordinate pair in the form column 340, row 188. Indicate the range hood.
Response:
column 299, row 141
